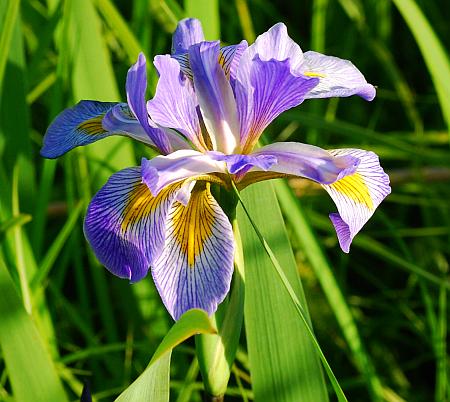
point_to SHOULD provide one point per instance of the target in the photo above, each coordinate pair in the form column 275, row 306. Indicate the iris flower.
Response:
column 211, row 106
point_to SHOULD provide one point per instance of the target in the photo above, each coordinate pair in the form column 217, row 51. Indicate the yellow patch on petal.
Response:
column 353, row 187
column 141, row 204
column 193, row 224
column 92, row 126
column 313, row 74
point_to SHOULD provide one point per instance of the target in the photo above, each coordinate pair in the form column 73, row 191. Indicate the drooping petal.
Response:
column 274, row 89
column 189, row 32
column 79, row 125
column 175, row 102
column 136, row 86
column 161, row 171
column 358, row 195
column 309, row 161
column 338, row 77
column 196, row 266
column 125, row 224
column 215, row 96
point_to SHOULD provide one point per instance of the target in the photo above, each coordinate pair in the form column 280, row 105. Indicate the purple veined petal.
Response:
column 175, row 102
column 188, row 32
column 136, row 87
column 215, row 97
column 121, row 120
column 338, row 77
column 273, row 89
column 241, row 163
column 358, row 195
column 125, row 224
column 229, row 57
column 196, row 265
column 79, row 125
column 309, row 161
column 161, row 171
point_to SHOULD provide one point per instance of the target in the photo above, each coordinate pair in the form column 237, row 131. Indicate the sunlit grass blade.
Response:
column 18, row 220
column 31, row 371
column 9, row 11
column 284, row 363
column 432, row 51
column 153, row 383
column 310, row 246
column 207, row 11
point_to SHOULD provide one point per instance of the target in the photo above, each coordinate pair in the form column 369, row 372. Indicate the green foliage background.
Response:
column 379, row 313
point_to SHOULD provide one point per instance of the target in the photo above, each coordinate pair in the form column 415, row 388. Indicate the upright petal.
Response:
column 358, row 195
column 189, row 32
column 309, row 161
column 174, row 104
column 274, row 89
column 229, row 57
column 136, row 87
column 125, row 224
column 161, row 171
column 196, row 266
column 215, row 96
column 338, row 77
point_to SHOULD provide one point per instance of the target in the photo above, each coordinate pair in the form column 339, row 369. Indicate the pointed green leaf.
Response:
column 153, row 384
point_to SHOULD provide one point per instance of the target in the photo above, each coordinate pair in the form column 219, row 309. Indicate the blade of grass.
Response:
column 313, row 392
column 207, row 11
column 432, row 51
column 9, row 11
column 324, row 273
column 31, row 371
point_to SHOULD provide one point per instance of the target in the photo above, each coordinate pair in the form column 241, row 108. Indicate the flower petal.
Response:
column 196, row 266
column 274, row 89
column 229, row 57
column 338, row 77
column 161, row 171
column 79, row 125
column 174, row 104
column 240, row 164
column 215, row 96
column 189, row 32
column 309, row 161
column 136, row 87
column 358, row 195
column 125, row 224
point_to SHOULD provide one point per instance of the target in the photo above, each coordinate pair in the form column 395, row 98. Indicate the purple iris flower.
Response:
column 211, row 106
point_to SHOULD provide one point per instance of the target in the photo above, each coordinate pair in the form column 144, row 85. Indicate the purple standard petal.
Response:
column 125, row 224
column 159, row 172
column 314, row 163
column 215, row 97
column 196, row 266
column 240, row 164
column 79, row 125
column 189, row 32
column 174, row 104
column 338, row 77
column 136, row 87
column 274, row 89
column 358, row 195
column 229, row 58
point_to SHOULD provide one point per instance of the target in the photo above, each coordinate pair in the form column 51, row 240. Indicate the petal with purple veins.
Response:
column 125, row 224
column 215, row 97
column 188, row 32
column 174, row 104
column 196, row 266
column 338, row 77
column 358, row 195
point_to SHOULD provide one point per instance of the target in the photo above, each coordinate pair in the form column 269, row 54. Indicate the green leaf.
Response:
column 207, row 11
column 30, row 369
column 324, row 273
column 432, row 51
column 153, row 384
column 284, row 363
column 8, row 13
